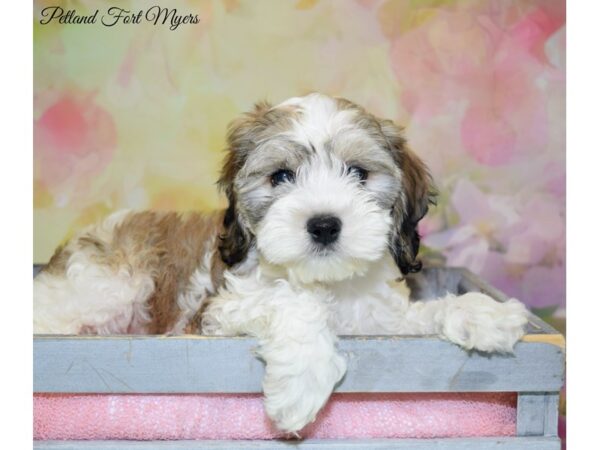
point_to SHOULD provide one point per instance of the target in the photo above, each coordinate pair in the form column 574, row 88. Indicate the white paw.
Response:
column 294, row 394
column 476, row 321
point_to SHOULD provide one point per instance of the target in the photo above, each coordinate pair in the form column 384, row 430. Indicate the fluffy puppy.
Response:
column 324, row 201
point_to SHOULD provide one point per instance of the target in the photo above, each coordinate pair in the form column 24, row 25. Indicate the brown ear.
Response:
column 413, row 202
column 235, row 239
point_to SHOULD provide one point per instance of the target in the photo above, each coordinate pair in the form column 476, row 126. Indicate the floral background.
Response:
column 135, row 115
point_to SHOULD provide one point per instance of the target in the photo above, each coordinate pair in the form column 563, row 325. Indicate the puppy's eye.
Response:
column 358, row 172
column 282, row 176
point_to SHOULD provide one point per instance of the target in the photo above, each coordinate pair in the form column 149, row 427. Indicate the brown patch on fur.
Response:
column 58, row 263
column 217, row 269
column 168, row 246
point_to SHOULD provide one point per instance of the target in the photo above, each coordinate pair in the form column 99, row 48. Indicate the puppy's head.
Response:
column 321, row 188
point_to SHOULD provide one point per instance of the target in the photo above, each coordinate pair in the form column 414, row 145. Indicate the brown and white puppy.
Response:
column 324, row 202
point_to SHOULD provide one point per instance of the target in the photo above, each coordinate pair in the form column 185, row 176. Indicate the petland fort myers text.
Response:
column 114, row 15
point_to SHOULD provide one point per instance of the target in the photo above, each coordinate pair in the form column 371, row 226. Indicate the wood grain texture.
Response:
column 206, row 364
column 537, row 414
column 510, row 443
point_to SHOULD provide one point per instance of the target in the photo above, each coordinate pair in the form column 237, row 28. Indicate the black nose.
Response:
column 324, row 229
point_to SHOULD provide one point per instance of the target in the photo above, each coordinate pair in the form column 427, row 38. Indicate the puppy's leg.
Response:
column 81, row 291
column 473, row 321
column 90, row 298
column 302, row 365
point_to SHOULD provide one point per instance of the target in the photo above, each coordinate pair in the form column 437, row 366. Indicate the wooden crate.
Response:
column 152, row 364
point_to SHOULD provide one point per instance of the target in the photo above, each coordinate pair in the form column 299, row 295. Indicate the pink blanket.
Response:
column 241, row 416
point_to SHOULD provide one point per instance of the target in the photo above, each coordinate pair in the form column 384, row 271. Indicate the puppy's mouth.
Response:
column 322, row 251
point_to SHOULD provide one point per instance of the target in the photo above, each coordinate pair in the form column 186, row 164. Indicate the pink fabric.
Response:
column 241, row 416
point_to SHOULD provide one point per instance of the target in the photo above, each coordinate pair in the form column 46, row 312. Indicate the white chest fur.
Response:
column 367, row 304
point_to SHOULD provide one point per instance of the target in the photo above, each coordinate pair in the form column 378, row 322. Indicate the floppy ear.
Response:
column 417, row 193
column 235, row 238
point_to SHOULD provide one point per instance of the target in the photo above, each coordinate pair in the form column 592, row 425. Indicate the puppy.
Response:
column 324, row 201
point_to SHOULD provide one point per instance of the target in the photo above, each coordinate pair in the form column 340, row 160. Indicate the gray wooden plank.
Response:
column 471, row 282
column 537, row 414
column 200, row 364
column 501, row 443
column 551, row 416
column 538, row 326
column 531, row 413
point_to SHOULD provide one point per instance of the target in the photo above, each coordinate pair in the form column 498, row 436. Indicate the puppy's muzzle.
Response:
column 324, row 230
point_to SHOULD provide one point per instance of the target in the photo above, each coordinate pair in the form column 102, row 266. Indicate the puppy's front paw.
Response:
column 294, row 393
column 476, row 321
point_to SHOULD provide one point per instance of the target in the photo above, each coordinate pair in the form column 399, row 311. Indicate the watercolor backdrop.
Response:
column 134, row 115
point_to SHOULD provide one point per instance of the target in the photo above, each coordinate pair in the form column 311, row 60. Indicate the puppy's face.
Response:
column 321, row 188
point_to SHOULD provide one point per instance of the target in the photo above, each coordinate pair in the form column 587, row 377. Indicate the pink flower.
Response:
column 517, row 245
column 74, row 140
column 491, row 66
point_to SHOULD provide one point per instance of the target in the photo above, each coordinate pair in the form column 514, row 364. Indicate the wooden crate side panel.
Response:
column 199, row 364
column 537, row 414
